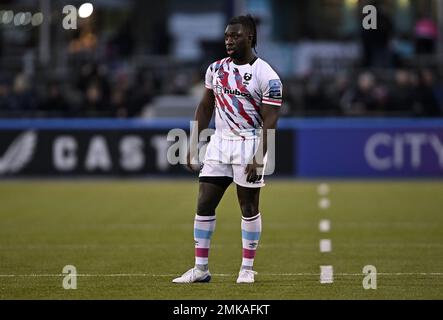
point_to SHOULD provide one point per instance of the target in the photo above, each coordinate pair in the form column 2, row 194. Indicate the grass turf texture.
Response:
column 129, row 239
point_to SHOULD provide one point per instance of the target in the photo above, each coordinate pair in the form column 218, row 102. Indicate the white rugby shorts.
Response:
column 229, row 158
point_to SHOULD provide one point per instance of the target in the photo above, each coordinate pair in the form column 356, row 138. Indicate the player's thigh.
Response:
column 211, row 191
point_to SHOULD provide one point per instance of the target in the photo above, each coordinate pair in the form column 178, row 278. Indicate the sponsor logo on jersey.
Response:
column 275, row 89
column 236, row 92
column 247, row 77
column 218, row 90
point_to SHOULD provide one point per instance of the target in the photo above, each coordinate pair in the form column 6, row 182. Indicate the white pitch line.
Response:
column 142, row 275
column 310, row 245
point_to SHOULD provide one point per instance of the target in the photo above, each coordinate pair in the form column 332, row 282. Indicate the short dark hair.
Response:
column 249, row 23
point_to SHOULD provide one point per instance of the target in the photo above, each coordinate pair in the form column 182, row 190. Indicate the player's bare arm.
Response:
column 203, row 115
column 270, row 116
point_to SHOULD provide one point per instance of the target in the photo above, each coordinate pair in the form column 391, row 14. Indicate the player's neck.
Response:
column 248, row 58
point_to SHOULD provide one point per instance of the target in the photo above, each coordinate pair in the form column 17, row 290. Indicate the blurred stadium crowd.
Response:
column 105, row 74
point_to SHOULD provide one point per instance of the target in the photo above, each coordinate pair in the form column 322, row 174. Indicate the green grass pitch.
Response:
column 128, row 239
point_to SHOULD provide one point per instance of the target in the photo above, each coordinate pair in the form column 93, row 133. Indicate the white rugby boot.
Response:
column 194, row 275
column 246, row 276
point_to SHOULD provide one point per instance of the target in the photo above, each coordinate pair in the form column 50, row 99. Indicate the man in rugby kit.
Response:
column 245, row 94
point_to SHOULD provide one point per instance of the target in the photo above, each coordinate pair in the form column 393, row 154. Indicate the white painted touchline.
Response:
column 301, row 274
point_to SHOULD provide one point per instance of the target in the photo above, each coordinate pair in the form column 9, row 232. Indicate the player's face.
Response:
column 237, row 41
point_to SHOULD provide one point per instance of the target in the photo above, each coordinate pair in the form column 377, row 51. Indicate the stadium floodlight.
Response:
column 19, row 18
column 37, row 19
column 27, row 18
column 8, row 16
column 85, row 10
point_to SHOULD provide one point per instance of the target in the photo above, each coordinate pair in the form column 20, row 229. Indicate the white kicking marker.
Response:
column 326, row 274
column 325, row 245
column 324, row 225
column 323, row 189
column 324, row 203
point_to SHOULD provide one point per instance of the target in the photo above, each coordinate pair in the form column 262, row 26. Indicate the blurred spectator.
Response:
column 360, row 100
column 119, row 103
column 121, row 44
column 293, row 97
column 429, row 93
column 84, row 40
column 314, row 97
column 23, row 98
column 1, row 37
column 381, row 96
column 336, row 91
column 403, row 95
column 376, row 43
column 5, row 96
column 143, row 92
column 426, row 36
column 180, row 84
column 89, row 72
column 120, row 92
column 94, row 104
column 162, row 39
column 54, row 102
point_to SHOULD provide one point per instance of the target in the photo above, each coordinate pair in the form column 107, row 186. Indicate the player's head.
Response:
column 240, row 36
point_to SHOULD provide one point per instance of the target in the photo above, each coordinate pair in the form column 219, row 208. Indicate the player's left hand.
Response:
column 251, row 172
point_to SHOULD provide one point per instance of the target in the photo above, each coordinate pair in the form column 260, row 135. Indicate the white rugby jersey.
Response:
column 240, row 91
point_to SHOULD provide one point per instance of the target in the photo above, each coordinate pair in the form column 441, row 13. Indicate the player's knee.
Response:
column 248, row 210
column 205, row 209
